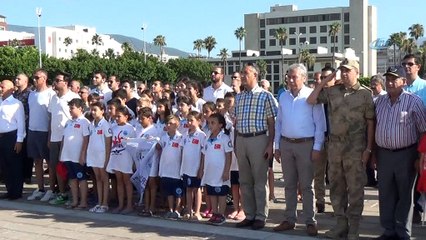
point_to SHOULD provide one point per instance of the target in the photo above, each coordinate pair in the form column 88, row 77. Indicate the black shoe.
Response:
column 320, row 207
column 15, row 197
column 417, row 217
column 258, row 224
column 245, row 223
column 4, row 196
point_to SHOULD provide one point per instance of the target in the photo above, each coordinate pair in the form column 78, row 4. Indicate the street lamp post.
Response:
column 38, row 13
column 144, row 43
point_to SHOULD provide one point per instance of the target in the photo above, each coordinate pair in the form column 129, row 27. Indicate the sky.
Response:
column 183, row 21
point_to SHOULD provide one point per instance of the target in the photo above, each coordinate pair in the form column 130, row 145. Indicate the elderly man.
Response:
column 75, row 86
column 12, row 134
column 218, row 88
column 377, row 85
column 255, row 113
column 351, row 136
column 299, row 137
column 401, row 119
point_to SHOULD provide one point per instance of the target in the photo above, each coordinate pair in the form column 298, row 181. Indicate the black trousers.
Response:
column 11, row 164
column 27, row 162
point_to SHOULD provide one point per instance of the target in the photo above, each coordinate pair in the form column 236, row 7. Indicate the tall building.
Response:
column 309, row 30
column 3, row 23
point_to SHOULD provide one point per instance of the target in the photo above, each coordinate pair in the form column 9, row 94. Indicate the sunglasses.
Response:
column 234, row 77
column 82, row 92
column 410, row 64
column 215, row 72
column 139, row 88
column 36, row 77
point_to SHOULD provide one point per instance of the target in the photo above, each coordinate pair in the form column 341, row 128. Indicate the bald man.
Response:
column 12, row 134
column 22, row 91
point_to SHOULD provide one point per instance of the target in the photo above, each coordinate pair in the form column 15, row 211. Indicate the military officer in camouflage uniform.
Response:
column 351, row 136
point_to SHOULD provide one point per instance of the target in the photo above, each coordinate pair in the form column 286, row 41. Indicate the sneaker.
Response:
column 102, row 209
column 168, row 215
column 218, row 220
column 36, row 194
column 48, row 196
column 59, row 200
column 95, row 208
column 175, row 215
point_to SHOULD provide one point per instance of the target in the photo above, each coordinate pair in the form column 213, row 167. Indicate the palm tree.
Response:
column 67, row 41
column 263, row 68
column 97, row 40
column 408, row 45
column 307, row 58
column 198, row 45
column 402, row 36
column 127, row 47
column 109, row 53
column 416, row 31
column 209, row 44
column 160, row 41
column 333, row 31
column 240, row 34
column 422, row 53
column 224, row 56
column 394, row 41
column 281, row 36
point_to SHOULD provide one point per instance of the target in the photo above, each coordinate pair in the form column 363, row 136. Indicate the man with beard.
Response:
column 218, row 88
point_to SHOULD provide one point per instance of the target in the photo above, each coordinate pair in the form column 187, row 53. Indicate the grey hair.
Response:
column 302, row 69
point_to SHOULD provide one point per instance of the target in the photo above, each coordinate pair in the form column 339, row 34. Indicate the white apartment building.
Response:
column 309, row 29
column 53, row 41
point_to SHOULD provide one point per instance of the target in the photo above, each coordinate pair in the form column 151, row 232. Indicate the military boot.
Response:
column 353, row 233
column 340, row 230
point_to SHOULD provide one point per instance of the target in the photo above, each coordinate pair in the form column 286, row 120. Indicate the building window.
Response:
column 262, row 44
column 332, row 39
column 313, row 51
column 66, row 50
column 323, row 40
column 60, row 39
column 313, row 29
column 302, row 40
column 347, row 40
column 312, row 40
column 335, row 49
column 272, row 42
column 262, row 33
column 346, row 17
column 346, row 28
column 302, row 29
column 292, row 41
column 262, row 53
column 323, row 28
column 292, row 30
column 262, row 23
column 76, row 41
column 59, row 49
column 272, row 32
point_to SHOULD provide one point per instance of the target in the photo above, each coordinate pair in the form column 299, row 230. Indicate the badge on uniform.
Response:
column 76, row 125
column 217, row 146
column 175, row 144
column 99, row 132
column 195, row 141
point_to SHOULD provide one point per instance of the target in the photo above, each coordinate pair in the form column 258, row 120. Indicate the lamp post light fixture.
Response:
column 38, row 13
column 144, row 43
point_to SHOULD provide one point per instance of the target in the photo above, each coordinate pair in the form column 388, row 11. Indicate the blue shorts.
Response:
column 235, row 178
column 37, row 145
column 76, row 171
column 217, row 191
column 171, row 187
column 191, row 182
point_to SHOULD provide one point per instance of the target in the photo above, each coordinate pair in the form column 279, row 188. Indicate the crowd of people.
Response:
column 207, row 142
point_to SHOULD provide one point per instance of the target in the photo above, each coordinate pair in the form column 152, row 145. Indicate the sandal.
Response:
column 233, row 214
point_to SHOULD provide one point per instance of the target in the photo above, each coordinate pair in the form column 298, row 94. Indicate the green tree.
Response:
column 97, row 40
column 193, row 68
column 109, row 53
column 307, row 58
column 240, row 33
column 281, row 35
column 408, row 45
column 198, row 45
column 223, row 54
column 160, row 41
column 422, row 54
column 334, row 29
column 209, row 44
column 416, row 31
column 263, row 68
column 394, row 40
column 67, row 41
column 127, row 47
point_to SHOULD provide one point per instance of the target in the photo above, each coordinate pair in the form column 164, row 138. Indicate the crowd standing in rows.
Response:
column 208, row 142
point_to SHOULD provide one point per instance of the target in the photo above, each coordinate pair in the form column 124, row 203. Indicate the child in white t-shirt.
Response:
column 120, row 161
column 149, row 131
column 191, row 160
column 169, row 169
column 73, row 153
column 215, row 167
column 184, row 107
column 98, row 153
column 163, row 110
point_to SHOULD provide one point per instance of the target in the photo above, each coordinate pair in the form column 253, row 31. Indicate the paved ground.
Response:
column 27, row 220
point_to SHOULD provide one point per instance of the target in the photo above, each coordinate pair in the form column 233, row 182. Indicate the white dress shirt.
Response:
column 298, row 119
column 12, row 117
column 210, row 94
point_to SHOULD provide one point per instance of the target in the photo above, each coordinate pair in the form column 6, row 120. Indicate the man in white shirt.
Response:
column 59, row 115
column 38, row 134
column 218, row 88
column 101, row 87
column 377, row 85
column 12, row 134
column 299, row 137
